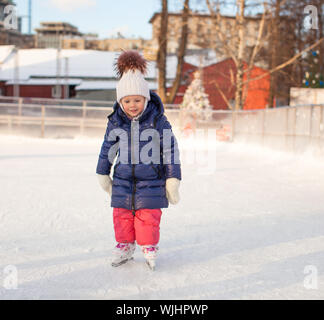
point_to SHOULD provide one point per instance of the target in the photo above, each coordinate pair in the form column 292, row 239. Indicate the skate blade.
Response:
column 117, row 264
column 152, row 267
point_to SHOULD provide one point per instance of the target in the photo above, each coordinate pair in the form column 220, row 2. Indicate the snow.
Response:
column 247, row 230
column 44, row 82
column 107, row 85
column 39, row 66
column 42, row 62
column 208, row 57
column 81, row 63
column 5, row 51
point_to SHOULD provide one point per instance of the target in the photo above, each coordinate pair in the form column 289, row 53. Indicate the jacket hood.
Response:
column 153, row 111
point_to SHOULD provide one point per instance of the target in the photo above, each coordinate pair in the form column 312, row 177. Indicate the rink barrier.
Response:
column 33, row 117
column 296, row 129
column 292, row 128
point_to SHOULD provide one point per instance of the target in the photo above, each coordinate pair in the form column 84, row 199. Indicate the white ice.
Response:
column 252, row 228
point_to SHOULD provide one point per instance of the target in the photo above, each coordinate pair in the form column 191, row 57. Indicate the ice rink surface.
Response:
column 251, row 228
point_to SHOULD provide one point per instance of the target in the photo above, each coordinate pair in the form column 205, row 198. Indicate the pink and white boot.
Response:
column 150, row 252
column 123, row 252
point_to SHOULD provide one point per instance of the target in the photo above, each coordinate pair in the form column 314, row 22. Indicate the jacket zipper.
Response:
column 133, row 169
column 134, row 189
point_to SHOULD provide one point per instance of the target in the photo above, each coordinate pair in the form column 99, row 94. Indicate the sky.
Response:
column 104, row 17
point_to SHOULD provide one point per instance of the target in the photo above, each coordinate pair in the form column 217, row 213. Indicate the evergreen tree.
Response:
column 313, row 76
column 196, row 101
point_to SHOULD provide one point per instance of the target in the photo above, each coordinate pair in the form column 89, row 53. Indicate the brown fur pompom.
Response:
column 130, row 60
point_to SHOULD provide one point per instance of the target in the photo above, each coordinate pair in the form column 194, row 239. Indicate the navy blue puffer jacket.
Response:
column 136, row 184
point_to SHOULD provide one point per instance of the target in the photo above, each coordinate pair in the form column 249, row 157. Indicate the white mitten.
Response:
column 105, row 182
column 172, row 190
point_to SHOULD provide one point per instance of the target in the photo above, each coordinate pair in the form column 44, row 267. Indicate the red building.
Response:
column 43, row 88
column 187, row 74
column 219, row 81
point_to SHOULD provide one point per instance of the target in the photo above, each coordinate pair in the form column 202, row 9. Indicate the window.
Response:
column 56, row 92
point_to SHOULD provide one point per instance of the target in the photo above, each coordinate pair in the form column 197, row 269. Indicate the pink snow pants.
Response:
column 144, row 227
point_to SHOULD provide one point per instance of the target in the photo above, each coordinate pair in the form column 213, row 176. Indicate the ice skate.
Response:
column 150, row 255
column 123, row 252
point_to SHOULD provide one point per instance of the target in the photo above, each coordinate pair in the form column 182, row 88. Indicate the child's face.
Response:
column 133, row 105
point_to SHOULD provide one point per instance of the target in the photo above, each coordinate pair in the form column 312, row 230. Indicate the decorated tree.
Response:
column 313, row 76
column 195, row 100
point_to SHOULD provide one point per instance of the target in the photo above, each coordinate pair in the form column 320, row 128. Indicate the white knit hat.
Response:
column 132, row 83
column 131, row 67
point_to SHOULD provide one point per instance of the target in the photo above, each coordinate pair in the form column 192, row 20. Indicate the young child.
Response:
column 139, row 189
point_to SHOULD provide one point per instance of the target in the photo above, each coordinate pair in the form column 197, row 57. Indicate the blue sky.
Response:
column 104, row 17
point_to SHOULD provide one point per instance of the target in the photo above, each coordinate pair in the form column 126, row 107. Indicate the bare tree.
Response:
column 293, row 41
column 240, row 45
column 274, row 48
column 284, row 42
column 168, row 97
column 256, row 49
column 321, row 32
column 162, row 51
column 288, row 62
column 233, row 44
column 279, row 38
column 181, row 53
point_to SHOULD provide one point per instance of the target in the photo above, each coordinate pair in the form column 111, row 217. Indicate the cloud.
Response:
column 71, row 5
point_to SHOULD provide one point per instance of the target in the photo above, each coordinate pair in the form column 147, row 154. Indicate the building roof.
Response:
column 81, row 63
column 44, row 82
column 107, row 85
column 58, row 23
column 5, row 51
column 95, row 68
column 202, row 15
column 57, row 26
column 42, row 63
